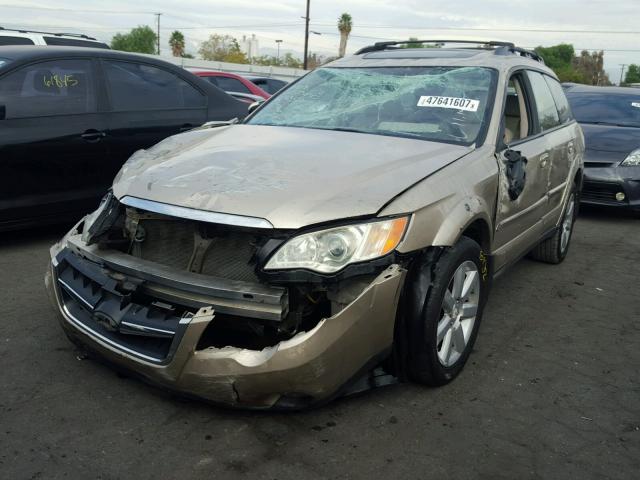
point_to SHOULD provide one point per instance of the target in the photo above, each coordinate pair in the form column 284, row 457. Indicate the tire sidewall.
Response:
column 424, row 303
column 572, row 196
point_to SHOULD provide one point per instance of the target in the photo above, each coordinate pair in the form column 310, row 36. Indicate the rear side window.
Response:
column 60, row 87
column 545, row 104
column 231, row 85
column 73, row 42
column 6, row 40
column 562, row 104
column 137, row 86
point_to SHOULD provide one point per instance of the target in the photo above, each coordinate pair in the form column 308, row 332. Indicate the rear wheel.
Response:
column 555, row 248
column 444, row 308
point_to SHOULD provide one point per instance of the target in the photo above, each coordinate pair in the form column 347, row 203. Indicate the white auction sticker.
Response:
column 449, row 102
column 635, row 104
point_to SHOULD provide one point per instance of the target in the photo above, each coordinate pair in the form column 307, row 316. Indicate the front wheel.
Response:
column 555, row 248
column 445, row 300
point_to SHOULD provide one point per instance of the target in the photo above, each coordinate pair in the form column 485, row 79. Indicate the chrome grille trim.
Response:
column 194, row 214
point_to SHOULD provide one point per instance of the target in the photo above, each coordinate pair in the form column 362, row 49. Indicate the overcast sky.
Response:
column 587, row 24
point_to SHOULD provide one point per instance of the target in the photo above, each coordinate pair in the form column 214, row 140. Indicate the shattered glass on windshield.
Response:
column 432, row 103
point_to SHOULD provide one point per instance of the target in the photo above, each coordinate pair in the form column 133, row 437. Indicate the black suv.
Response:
column 71, row 116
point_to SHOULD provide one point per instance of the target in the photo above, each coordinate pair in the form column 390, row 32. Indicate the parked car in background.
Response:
column 339, row 228
column 268, row 84
column 29, row 37
column 70, row 117
column 230, row 82
column 610, row 120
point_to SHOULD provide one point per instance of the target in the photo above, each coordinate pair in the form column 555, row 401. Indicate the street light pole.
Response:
column 306, row 37
column 158, row 39
column 621, row 73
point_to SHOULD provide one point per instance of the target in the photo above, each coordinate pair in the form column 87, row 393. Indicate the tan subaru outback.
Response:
column 344, row 235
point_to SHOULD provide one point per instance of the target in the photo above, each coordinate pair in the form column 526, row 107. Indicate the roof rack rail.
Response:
column 55, row 34
column 523, row 52
column 500, row 48
column 378, row 46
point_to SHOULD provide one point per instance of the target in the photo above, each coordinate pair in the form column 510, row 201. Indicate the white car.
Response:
column 27, row 37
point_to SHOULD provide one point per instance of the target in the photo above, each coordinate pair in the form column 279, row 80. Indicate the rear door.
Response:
column 554, row 115
column 147, row 104
column 51, row 140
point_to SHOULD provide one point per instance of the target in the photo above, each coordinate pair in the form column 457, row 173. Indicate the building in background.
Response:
column 249, row 46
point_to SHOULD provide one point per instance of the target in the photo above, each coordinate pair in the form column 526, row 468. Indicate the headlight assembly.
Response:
column 327, row 251
column 632, row 160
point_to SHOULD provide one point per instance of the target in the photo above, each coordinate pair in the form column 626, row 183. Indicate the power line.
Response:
column 488, row 29
column 57, row 9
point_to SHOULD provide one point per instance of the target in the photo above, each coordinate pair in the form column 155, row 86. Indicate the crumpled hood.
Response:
column 291, row 177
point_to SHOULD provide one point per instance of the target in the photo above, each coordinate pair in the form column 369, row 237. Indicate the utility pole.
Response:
column 622, row 73
column 158, row 36
column 278, row 42
column 306, row 36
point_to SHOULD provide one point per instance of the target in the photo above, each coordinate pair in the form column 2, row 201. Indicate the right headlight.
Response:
column 632, row 160
column 330, row 250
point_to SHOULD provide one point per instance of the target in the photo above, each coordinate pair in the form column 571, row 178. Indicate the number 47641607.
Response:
column 456, row 103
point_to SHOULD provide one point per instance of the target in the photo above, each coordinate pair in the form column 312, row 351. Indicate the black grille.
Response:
column 604, row 192
column 109, row 308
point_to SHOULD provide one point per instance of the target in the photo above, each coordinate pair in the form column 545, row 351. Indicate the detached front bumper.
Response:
column 89, row 287
column 603, row 186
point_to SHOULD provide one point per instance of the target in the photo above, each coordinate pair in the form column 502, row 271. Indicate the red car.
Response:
column 230, row 82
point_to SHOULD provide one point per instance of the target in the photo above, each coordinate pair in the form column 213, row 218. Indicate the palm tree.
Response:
column 176, row 42
column 344, row 27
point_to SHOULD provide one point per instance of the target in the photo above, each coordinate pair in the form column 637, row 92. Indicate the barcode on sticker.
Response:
column 635, row 104
column 466, row 104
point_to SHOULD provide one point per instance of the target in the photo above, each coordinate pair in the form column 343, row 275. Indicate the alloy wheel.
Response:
column 458, row 313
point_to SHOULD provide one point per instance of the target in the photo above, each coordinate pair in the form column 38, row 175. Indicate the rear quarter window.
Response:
column 562, row 104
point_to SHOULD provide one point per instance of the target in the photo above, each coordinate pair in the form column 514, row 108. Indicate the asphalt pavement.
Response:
column 551, row 391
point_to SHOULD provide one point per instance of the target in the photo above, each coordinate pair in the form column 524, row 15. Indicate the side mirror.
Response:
column 3, row 112
column 254, row 106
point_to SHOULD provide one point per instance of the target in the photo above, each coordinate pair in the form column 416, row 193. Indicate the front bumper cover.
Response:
column 600, row 184
column 307, row 369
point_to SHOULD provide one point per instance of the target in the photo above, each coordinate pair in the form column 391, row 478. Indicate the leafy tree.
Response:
column 141, row 39
column 222, row 48
column 413, row 43
column 633, row 74
column 176, row 42
column 587, row 68
column 345, row 24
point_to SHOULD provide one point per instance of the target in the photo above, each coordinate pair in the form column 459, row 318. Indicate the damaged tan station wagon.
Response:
column 345, row 235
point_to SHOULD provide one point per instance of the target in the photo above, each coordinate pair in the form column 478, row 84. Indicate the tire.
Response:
column 429, row 312
column 555, row 248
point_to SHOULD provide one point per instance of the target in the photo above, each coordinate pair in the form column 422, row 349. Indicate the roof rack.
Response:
column 500, row 48
column 55, row 34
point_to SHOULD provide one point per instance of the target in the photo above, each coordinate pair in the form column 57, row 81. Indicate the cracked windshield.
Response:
column 430, row 103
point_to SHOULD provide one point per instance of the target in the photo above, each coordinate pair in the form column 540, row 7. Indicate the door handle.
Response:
column 185, row 127
column 543, row 160
column 93, row 135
